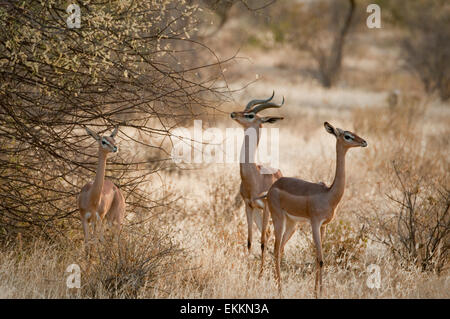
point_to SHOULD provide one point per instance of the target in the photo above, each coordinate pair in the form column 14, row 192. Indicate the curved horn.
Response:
column 255, row 102
column 264, row 106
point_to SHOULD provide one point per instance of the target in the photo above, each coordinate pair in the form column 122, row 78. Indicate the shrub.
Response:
column 126, row 64
column 417, row 231
column 122, row 266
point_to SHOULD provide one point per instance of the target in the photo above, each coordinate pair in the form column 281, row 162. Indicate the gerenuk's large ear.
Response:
column 271, row 119
column 114, row 133
column 92, row 133
column 330, row 129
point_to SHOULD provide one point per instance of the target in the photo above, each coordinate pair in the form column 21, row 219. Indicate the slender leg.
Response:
column 94, row 240
column 319, row 262
column 85, row 224
column 258, row 218
column 279, row 226
column 290, row 230
column 264, row 236
column 322, row 239
column 323, row 233
column 249, row 212
column 99, row 227
column 94, row 228
column 115, row 215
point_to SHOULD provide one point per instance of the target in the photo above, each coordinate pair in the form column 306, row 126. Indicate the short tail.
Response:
column 262, row 195
column 259, row 201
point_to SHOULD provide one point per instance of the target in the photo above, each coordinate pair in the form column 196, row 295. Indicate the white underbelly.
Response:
column 296, row 218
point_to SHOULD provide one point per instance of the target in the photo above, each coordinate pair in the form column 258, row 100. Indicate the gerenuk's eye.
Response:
column 103, row 142
column 347, row 137
column 249, row 116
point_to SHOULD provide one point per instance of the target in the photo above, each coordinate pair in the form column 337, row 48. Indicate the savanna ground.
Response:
column 198, row 241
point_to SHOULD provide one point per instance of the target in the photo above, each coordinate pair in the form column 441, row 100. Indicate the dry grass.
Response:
column 124, row 266
column 208, row 221
column 209, row 224
column 213, row 228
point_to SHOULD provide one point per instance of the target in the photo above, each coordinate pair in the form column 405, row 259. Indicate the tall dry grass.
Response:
column 122, row 266
column 414, row 134
column 196, row 246
column 208, row 223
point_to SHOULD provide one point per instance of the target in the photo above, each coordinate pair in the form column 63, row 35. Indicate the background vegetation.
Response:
column 152, row 66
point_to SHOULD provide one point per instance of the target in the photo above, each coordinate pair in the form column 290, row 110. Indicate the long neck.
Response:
column 97, row 187
column 338, row 186
column 248, row 149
